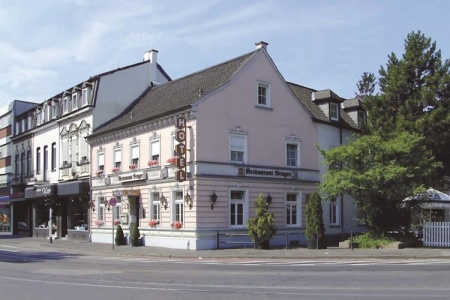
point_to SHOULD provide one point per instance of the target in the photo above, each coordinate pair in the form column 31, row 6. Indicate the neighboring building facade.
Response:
column 9, row 157
column 187, row 160
column 57, row 157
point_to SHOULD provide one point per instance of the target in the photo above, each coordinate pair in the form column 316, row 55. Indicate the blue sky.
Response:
column 50, row 45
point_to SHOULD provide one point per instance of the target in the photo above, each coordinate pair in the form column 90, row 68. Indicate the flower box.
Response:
column 177, row 225
column 153, row 163
column 172, row 160
column 153, row 223
column 115, row 170
column 116, row 222
column 99, row 172
column 99, row 222
column 133, row 167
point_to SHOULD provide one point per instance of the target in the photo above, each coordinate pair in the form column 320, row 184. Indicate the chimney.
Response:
column 261, row 44
column 151, row 56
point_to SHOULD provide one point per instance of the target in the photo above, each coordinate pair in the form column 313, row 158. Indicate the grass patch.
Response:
column 370, row 240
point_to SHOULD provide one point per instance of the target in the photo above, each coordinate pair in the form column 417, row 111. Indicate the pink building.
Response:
column 188, row 158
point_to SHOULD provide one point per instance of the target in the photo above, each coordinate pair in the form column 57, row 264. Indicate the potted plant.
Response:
column 153, row 163
column 153, row 223
column 133, row 167
column 115, row 170
column 120, row 237
column 134, row 235
column 177, row 225
column 315, row 230
column 262, row 227
column 172, row 160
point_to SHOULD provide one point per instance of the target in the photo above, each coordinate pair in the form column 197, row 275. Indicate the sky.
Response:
column 48, row 46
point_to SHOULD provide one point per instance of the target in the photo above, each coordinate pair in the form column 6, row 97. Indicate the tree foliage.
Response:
column 262, row 227
column 366, row 85
column 314, row 218
column 415, row 97
column 379, row 173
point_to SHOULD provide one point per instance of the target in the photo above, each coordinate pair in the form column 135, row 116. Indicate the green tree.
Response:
column 366, row 85
column 262, row 227
column 314, row 220
column 415, row 97
column 379, row 173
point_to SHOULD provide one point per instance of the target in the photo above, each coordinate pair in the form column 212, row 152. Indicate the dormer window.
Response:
column 334, row 111
column 54, row 110
column 85, row 94
column 66, row 102
column 74, row 101
column 362, row 118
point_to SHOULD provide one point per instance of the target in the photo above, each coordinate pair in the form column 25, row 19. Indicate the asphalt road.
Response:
column 54, row 275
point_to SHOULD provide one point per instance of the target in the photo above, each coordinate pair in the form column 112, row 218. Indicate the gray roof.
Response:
column 176, row 95
column 303, row 94
column 352, row 103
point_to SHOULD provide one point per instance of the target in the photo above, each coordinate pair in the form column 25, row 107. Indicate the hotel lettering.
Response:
column 180, row 149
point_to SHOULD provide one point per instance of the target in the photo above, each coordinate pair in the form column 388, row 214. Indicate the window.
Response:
column 29, row 162
column 74, row 148
column 117, row 158
column 17, row 127
column 101, row 209
column 135, row 155
column 66, row 104
column 101, row 161
column 45, row 160
column 65, row 150
column 53, row 111
column 74, row 101
column 237, row 209
column 117, row 210
column 292, row 155
column 362, row 118
column 334, row 112
column 23, row 164
column 84, row 146
column 38, row 118
column 174, row 145
column 154, row 150
column 38, row 160
column 238, row 145
column 334, row 212
column 53, row 156
column 155, row 209
column 263, row 95
column 292, row 210
column 16, row 165
column 179, row 206
column 85, row 96
column 30, row 122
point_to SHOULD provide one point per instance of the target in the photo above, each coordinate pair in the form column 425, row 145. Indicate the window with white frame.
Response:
column 155, row 209
column 334, row 211
column 292, row 209
column 38, row 118
column 74, row 101
column 155, row 150
column 135, row 155
column 101, row 214
column 74, row 147
column 38, row 160
column 101, row 162
column 263, row 94
column 66, row 102
column 30, row 122
column 362, row 118
column 334, row 111
column 53, row 164
column 174, row 145
column 238, row 148
column 29, row 171
column 238, row 209
column 292, row 154
column 178, row 204
column 65, row 150
column 84, row 147
column 118, row 158
column 85, row 95
column 117, row 209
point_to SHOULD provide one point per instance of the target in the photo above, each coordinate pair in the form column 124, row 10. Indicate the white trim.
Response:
column 298, row 153
column 334, row 117
column 244, row 210
column 237, row 148
column 299, row 208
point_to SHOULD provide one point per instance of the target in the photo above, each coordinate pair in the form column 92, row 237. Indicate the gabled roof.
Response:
column 303, row 94
column 176, row 95
column 354, row 103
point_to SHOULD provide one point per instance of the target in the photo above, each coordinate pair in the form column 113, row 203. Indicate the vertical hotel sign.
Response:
column 180, row 149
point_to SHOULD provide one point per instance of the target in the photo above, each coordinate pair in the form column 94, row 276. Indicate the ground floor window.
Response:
column 5, row 217
column 291, row 209
column 237, row 208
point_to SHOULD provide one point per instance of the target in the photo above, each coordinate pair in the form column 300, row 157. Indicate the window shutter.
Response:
column 101, row 159
column 134, row 152
column 117, row 156
column 155, row 148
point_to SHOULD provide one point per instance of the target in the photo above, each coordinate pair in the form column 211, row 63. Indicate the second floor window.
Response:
column 38, row 160
column 154, row 150
column 53, row 156
column 101, row 162
column 135, row 155
column 237, row 148
column 29, row 172
column 117, row 159
column 292, row 155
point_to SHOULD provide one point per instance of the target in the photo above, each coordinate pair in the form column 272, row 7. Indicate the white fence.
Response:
column 436, row 234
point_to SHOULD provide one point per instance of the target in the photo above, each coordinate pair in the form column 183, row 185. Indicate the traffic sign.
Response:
column 113, row 201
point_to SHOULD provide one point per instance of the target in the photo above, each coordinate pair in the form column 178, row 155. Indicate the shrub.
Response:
column 120, row 237
column 262, row 227
column 134, row 234
column 314, row 220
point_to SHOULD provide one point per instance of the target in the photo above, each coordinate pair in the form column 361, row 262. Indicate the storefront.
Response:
column 43, row 203
column 5, row 216
column 71, row 208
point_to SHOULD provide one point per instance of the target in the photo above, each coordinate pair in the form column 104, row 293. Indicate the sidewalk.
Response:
column 36, row 244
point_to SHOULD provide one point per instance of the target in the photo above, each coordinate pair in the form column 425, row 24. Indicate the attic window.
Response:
column 334, row 112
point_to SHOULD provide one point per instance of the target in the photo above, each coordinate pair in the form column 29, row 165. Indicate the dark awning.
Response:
column 4, row 199
column 78, row 187
column 40, row 191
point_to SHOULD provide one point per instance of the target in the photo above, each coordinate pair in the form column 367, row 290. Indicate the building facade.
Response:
column 188, row 159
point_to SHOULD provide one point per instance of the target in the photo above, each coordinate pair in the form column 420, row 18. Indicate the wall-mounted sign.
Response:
column 126, row 193
column 180, row 149
column 180, row 175
column 131, row 177
column 268, row 173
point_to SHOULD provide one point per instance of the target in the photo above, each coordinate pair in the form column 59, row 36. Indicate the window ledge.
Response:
column 263, row 107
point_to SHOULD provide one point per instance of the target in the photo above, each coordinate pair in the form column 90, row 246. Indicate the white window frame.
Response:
column 335, row 208
column 263, row 100
column 298, row 153
column 234, row 148
column 117, row 158
column 174, row 144
column 74, row 143
column 66, row 102
column 155, row 149
column 101, row 215
column 85, row 93
column 65, row 149
column 134, row 155
column 155, row 208
column 178, row 203
column 101, row 161
column 243, row 202
column 334, row 113
column 291, row 204
column 74, row 101
column 117, row 209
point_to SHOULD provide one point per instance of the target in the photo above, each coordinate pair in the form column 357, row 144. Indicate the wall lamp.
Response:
column 92, row 205
column 163, row 201
column 107, row 205
column 268, row 199
column 188, row 199
column 213, row 199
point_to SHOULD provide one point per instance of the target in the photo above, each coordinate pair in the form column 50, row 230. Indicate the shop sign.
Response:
column 131, row 177
column 180, row 149
column 45, row 191
column 267, row 173
column 98, row 182
column 126, row 193
column 156, row 174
